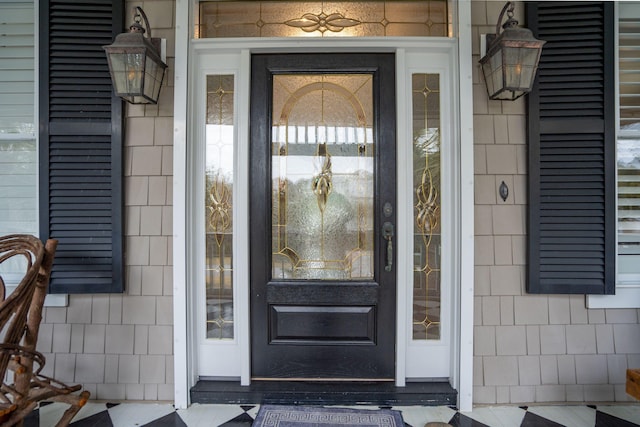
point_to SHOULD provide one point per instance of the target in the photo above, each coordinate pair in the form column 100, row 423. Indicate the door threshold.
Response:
column 350, row 380
column 324, row 393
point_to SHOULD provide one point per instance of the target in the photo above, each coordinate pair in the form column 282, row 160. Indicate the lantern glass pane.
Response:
column 153, row 79
column 497, row 81
column 127, row 72
column 519, row 68
column 149, row 77
column 488, row 73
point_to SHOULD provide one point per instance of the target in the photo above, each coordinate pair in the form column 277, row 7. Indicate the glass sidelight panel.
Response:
column 219, row 206
column 322, row 185
column 426, row 186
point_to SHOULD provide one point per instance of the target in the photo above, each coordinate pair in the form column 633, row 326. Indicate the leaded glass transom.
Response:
column 323, row 19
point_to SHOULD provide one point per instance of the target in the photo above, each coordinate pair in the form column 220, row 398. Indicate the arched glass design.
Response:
column 322, row 184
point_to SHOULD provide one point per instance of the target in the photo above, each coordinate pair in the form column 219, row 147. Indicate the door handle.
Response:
column 387, row 233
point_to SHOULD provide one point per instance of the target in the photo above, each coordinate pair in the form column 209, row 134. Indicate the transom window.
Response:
column 429, row 18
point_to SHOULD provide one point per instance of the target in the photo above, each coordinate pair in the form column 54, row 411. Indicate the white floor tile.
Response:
column 629, row 413
column 568, row 416
column 497, row 416
column 88, row 410
column 137, row 414
column 209, row 415
column 253, row 412
column 418, row 416
column 50, row 414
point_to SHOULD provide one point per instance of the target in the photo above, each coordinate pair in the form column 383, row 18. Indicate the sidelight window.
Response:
column 425, row 94
column 219, row 138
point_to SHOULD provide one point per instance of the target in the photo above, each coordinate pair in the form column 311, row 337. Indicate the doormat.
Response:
column 311, row 416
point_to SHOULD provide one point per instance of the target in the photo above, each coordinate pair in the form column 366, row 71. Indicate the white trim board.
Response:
column 462, row 310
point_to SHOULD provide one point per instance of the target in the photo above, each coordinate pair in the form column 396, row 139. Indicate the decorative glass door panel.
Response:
column 322, row 194
column 425, row 90
column 219, row 206
column 322, row 166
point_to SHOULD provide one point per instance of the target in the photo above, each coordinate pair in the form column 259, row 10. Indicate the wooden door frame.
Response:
column 184, row 299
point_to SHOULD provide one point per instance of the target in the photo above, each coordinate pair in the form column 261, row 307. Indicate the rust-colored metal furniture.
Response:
column 23, row 384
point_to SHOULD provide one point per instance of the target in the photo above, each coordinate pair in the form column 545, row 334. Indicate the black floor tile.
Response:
column 170, row 420
column 242, row 420
column 101, row 419
column 533, row 420
column 32, row 420
column 606, row 420
column 460, row 420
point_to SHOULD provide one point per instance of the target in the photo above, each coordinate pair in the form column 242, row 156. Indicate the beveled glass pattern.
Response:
column 323, row 19
column 322, row 184
column 219, row 206
column 426, row 202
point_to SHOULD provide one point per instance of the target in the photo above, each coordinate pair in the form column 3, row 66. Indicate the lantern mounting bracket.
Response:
column 136, row 27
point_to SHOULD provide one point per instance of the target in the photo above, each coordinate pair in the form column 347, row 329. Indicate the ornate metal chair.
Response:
column 23, row 385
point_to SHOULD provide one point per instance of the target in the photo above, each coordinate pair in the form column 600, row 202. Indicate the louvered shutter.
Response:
column 80, row 145
column 571, row 132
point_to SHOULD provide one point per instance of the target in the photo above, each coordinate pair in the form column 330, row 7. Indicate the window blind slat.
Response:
column 18, row 154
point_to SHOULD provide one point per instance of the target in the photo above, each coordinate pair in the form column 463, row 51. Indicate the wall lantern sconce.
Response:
column 511, row 61
column 135, row 64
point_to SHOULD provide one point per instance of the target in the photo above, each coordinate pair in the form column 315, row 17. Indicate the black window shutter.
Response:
column 571, row 131
column 80, row 145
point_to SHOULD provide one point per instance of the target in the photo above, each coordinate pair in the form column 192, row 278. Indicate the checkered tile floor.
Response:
column 164, row 415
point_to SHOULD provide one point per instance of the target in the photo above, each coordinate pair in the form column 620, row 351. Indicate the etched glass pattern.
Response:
column 323, row 19
column 322, row 184
column 219, row 206
column 426, row 202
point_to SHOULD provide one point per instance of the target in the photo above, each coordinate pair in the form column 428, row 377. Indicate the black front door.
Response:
column 322, row 200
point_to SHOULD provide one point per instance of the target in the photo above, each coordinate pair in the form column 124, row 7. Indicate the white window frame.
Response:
column 12, row 281
column 627, row 288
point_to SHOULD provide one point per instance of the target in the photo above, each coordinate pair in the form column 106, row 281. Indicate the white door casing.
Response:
column 229, row 358
column 199, row 357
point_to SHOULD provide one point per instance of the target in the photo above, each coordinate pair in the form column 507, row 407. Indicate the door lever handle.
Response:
column 387, row 233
